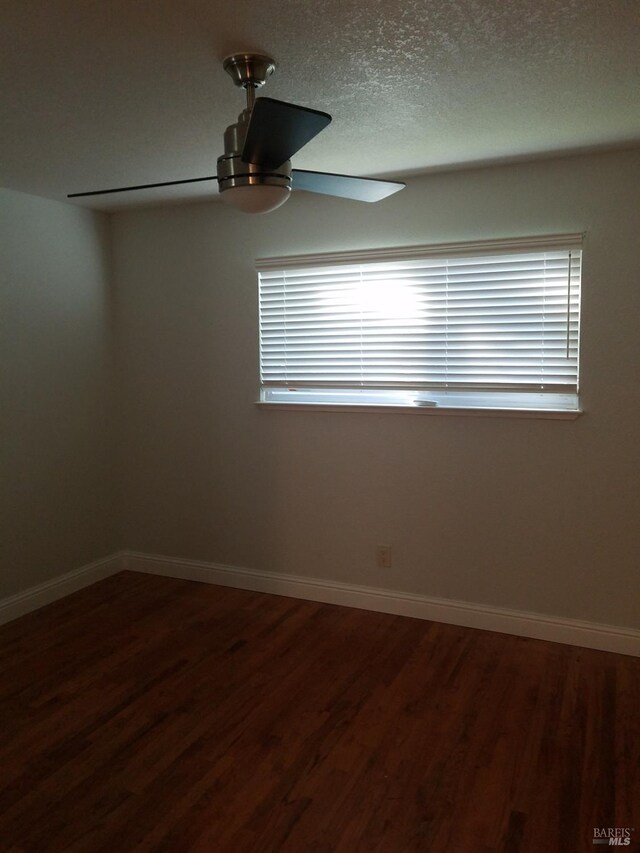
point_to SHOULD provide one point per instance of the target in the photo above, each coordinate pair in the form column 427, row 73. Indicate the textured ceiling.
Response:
column 101, row 93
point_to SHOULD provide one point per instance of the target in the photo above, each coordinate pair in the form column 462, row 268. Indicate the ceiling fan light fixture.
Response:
column 247, row 186
column 256, row 198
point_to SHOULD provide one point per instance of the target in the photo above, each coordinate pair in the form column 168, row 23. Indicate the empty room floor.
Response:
column 147, row 713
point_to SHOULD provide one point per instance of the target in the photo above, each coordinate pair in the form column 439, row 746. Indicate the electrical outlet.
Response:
column 383, row 556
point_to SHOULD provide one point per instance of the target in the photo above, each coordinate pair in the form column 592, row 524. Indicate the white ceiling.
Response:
column 103, row 93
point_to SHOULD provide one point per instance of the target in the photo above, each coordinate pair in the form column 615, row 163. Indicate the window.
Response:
column 491, row 325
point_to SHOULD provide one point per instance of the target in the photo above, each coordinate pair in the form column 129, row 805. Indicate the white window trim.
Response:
column 558, row 242
column 450, row 411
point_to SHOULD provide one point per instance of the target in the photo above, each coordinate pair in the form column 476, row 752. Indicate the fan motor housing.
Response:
column 234, row 172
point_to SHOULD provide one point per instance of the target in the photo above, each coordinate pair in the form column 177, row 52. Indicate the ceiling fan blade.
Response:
column 345, row 186
column 143, row 187
column 278, row 129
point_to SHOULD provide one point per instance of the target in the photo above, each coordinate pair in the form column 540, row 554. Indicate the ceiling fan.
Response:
column 254, row 174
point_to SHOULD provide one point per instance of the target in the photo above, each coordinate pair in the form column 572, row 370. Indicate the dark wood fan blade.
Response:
column 345, row 186
column 143, row 187
column 277, row 130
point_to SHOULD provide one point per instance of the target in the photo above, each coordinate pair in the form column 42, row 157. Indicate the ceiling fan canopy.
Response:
column 254, row 174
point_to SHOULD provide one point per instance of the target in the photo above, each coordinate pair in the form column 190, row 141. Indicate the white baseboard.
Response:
column 573, row 632
column 49, row 591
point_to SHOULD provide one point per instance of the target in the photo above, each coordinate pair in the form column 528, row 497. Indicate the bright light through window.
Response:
column 385, row 299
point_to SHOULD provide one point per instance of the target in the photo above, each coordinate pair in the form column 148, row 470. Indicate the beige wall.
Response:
column 529, row 514
column 56, row 503
column 535, row 515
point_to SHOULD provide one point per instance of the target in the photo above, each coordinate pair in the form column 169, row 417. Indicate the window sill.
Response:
column 475, row 411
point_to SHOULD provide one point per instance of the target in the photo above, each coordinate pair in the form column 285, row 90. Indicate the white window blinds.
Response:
column 494, row 317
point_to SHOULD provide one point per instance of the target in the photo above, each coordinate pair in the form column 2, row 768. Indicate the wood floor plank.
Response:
column 153, row 714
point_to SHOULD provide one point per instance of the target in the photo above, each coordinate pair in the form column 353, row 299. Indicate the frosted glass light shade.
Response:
column 256, row 198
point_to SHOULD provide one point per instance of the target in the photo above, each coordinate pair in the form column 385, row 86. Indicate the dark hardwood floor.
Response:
column 145, row 713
